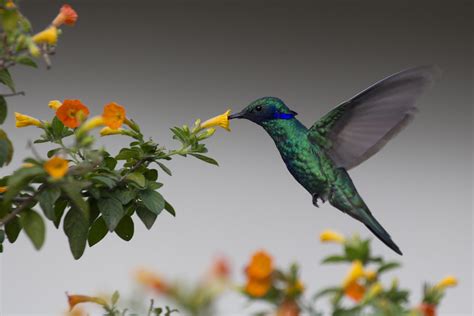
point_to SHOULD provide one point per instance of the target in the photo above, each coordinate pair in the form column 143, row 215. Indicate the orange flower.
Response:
column 427, row 309
column 151, row 280
column 3, row 189
column 258, row 288
column 67, row 15
column 113, row 115
column 288, row 308
column 220, row 268
column 72, row 113
column 261, row 266
column 355, row 291
column 73, row 300
column 56, row 167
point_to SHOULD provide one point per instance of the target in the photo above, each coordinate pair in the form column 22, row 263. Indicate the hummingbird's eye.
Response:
column 258, row 108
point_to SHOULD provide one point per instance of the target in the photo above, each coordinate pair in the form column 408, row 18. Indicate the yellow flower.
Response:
column 3, row 189
column 375, row 290
column 73, row 300
column 331, row 236
column 49, row 36
column 55, row 104
column 449, row 281
column 295, row 288
column 107, row 131
column 27, row 165
column 10, row 4
column 370, row 275
column 94, row 122
column 219, row 120
column 34, row 49
column 56, row 167
column 355, row 272
column 23, row 120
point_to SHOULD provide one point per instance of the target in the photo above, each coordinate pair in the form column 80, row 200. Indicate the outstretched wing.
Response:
column 361, row 126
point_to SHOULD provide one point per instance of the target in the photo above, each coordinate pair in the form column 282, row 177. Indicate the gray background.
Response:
column 169, row 62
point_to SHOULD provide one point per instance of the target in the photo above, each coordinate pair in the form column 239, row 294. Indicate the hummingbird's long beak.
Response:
column 236, row 115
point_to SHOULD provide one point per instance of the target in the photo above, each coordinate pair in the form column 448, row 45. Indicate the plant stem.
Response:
column 21, row 207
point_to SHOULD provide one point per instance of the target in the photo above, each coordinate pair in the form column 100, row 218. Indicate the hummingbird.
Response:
column 320, row 157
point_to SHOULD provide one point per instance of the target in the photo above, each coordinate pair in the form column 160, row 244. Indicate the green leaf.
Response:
column 13, row 229
column 73, row 191
column 76, row 228
column 125, row 228
column 151, row 175
column 3, row 109
column 137, row 178
column 387, row 266
column 124, row 195
column 27, row 61
column 19, row 180
column 47, row 199
column 170, row 209
column 34, row 227
column 2, row 236
column 115, row 297
column 206, row 159
column 334, row 259
column 110, row 163
column 164, row 168
column 147, row 217
column 6, row 79
column 58, row 129
column 59, row 208
column 107, row 181
column 97, row 232
column 112, row 211
column 152, row 200
column 127, row 154
column 6, row 149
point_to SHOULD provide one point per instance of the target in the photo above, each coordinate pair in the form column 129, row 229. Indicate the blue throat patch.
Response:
column 283, row 116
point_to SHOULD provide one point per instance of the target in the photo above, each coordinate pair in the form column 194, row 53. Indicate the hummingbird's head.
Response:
column 265, row 109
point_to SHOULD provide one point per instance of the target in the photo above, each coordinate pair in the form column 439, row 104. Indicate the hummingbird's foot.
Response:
column 316, row 197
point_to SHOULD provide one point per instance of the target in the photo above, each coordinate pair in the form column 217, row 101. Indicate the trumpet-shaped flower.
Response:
column 375, row 290
column 355, row 273
column 449, row 281
column 3, row 189
column 67, row 15
column 261, row 266
column 48, row 36
column 151, row 280
column 73, row 300
column 22, row 120
column 55, row 104
column 258, row 288
column 332, row 236
column 56, row 167
column 113, row 115
column 219, row 120
column 72, row 113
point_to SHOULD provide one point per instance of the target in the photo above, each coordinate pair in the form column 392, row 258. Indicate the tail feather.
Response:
column 345, row 197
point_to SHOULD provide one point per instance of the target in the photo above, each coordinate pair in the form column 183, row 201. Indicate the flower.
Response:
column 261, row 266
column 73, row 300
column 3, row 189
column 78, row 311
column 375, row 290
column 449, row 281
column 219, row 120
column 288, row 308
column 56, row 167
column 48, row 36
column 295, row 288
column 10, row 4
column 355, row 273
column 427, row 309
column 106, row 131
column 370, row 275
column 55, row 104
column 67, row 15
column 34, row 49
column 220, row 268
column 71, row 113
column 258, row 288
column 355, row 291
column 151, row 280
column 113, row 115
column 23, row 120
column 27, row 165
column 331, row 236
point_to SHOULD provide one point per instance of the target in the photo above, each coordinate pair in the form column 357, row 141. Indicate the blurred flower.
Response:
column 10, row 4
column 113, row 115
column 73, row 300
column 258, row 288
column 375, row 290
column 331, row 236
column 220, row 268
column 34, row 49
column 427, row 309
column 55, row 104
column 355, row 272
column 288, row 308
column 219, row 120
column 67, row 15
column 78, row 311
column 107, row 131
column 3, row 189
column 355, row 291
column 27, row 165
column 295, row 288
column 449, row 281
column 260, row 266
column 151, row 280
column 23, row 120
column 370, row 275
column 72, row 113
column 56, row 167
column 48, row 36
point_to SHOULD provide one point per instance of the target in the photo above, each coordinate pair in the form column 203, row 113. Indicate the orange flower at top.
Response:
column 113, row 115
column 72, row 113
column 67, row 15
column 355, row 291
column 261, row 266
